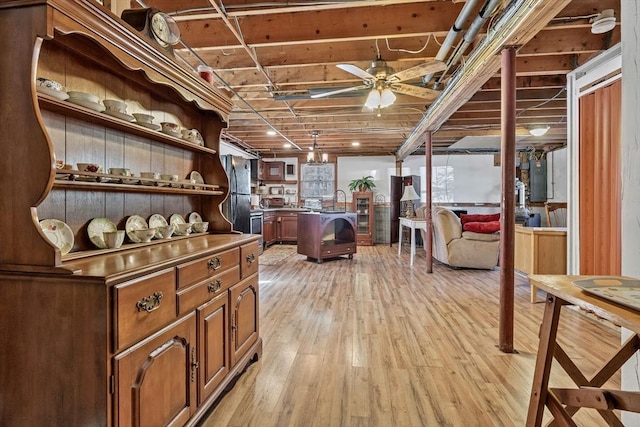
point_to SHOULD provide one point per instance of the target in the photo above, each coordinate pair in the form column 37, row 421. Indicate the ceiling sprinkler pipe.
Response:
column 453, row 33
column 487, row 9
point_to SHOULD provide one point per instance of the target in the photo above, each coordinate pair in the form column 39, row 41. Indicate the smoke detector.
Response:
column 603, row 22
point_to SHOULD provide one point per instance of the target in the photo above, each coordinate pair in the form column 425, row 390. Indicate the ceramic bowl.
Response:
column 143, row 118
column 200, row 227
column 145, row 234
column 149, row 175
column 120, row 171
column 192, row 135
column 169, row 127
column 166, row 232
column 50, row 84
column 115, row 105
column 89, row 167
column 182, row 229
column 84, row 96
column 169, row 177
column 113, row 239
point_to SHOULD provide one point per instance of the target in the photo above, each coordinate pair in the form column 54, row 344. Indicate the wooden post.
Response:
column 428, row 236
column 507, row 214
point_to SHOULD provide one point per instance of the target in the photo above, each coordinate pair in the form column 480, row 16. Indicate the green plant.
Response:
column 362, row 184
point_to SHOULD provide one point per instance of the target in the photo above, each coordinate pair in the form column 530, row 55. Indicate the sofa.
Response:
column 458, row 248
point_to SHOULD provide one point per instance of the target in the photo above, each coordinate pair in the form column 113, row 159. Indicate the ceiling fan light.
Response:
column 373, row 100
column 538, row 130
column 387, row 98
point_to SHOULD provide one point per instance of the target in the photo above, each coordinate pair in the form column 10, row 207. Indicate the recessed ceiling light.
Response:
column 355, row 143
column 287, row 145
column 605, row 21
column 271, row 132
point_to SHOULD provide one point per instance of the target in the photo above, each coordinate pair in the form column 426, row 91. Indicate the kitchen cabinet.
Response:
column 326, row 235
column 140, row 327
column 269, row 232
column 287, row 227
column 363, row 208
column 273, row 171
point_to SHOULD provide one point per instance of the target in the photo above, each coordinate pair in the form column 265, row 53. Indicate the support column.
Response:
column 428, row 235
column 507, row 213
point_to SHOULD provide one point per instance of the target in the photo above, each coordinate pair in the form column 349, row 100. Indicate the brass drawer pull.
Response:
column 214, row 263
column 215, row 286
column 150, row 303
column 251, row 258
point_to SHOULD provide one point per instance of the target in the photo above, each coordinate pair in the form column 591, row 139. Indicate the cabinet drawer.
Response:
column 143, row 306
column 207, row 267
column 337, row 250
column 190, row 298
column 249, row 259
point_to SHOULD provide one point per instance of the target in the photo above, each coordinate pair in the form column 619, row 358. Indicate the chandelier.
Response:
column 316, row 155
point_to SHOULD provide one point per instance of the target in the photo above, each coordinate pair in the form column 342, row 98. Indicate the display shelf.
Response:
column 76, row 111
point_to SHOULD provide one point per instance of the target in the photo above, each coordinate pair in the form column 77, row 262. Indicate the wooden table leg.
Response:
column 413, row 244
column 544, row 359
column 534, row 294
column 400, row 239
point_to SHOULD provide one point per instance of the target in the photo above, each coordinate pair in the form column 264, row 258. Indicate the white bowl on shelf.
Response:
column 113, row 239
column 200, row 227
column 145, row 234
column 182, row 229
column 143, row 118
column 115, row 105
column 83, row 96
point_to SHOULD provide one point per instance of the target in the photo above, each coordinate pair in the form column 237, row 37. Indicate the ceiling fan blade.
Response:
column 335, row 92
column 417, row 71
column 350, row 68
column 417, row 91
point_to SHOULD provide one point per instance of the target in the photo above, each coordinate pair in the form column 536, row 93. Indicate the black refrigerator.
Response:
column 237, row 207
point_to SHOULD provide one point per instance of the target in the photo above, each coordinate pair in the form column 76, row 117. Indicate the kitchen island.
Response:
column 325, row 235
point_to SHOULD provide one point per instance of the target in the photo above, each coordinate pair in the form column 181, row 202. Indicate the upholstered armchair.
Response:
column 458, row 248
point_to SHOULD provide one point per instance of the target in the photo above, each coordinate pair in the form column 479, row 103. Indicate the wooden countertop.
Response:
column 562, row 287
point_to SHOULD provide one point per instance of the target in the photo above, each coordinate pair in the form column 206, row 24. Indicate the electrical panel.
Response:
column 538, row 180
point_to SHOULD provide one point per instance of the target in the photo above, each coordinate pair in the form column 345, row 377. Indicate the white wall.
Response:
column 630, row 12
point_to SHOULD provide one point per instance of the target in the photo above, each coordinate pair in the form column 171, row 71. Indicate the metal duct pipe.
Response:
column 482, row 63
column 487, row 9
column 452, row 35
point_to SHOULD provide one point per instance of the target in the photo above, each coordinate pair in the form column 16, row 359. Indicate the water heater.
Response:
column 538, row 180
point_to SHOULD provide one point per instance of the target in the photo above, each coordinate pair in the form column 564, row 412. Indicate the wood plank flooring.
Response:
column 374, row 342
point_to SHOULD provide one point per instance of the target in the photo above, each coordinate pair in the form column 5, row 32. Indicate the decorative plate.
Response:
column 58, row 94
column 58, row 233
column 195, row 176
column 88, row 104
column 195, row 217
column 96, row 227
column 151, row 126
column 176, row 219
column 135, row 222
column 156, row 221
column 122, row 116
column 621, row 290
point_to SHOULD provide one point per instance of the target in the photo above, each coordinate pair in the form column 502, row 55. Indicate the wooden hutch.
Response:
column 363, row 207
column 147, row 334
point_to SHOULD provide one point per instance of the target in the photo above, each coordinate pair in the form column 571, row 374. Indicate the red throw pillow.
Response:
column 482, row 227
column 465, row 218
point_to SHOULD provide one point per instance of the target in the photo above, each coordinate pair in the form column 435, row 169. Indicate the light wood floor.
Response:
column 374, row 342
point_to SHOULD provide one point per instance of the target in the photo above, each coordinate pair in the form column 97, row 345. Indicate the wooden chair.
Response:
column 556, row 214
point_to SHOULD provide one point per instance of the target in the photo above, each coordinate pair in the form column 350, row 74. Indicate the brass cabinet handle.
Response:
column 251, row 258
column 150, row 303
column 214, row 286
column 194, row 364
column 214, row 263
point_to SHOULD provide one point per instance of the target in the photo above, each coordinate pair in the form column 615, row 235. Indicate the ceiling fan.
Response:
column 383, row 81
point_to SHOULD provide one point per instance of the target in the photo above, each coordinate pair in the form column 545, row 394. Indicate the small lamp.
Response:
column 538, row 130
column 408, row 197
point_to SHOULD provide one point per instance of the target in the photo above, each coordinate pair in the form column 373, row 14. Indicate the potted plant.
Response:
column 362, row 184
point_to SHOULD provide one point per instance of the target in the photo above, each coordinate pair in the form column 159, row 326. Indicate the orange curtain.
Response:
column 600, row 181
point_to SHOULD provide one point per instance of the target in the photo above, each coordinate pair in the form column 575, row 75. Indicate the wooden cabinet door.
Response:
column 244, row 317
column 156, row 379
column 269, row 229
column 213, row 341
column 288, row 228
column 274, row 171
